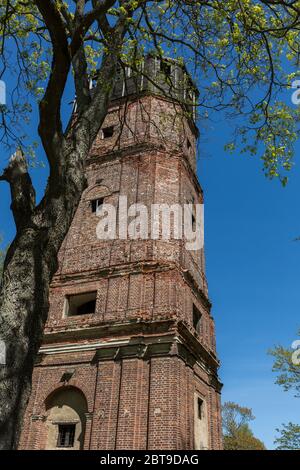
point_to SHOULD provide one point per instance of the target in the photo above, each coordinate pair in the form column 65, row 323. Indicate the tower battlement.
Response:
column 160, row 76
column 155, row 107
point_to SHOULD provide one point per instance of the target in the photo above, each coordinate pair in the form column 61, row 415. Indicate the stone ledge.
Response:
column 133, row 339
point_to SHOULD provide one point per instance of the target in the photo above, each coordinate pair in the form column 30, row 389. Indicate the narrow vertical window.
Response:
column 193, row 223
column 200, row 408
column 96, row 204
column 166, row 68
column 196, row 319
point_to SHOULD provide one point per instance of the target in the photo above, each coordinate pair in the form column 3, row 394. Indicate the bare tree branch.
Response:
column 50, row 126
column 22, row 190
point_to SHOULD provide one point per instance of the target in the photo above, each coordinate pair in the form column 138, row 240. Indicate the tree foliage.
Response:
column 289, row 438
column 243, row 55
column 243, row 440
column 235, row 417
column 237, row 434
column 287, row 367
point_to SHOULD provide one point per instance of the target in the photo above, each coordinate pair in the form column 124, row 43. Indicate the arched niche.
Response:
column 96, row 192
column 66, row 410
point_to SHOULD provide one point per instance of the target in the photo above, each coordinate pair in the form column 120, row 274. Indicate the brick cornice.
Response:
column 111, row 328
column 147, row 341
column 133, row 338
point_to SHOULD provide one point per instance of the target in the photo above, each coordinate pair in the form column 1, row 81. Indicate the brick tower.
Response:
column 128, row 359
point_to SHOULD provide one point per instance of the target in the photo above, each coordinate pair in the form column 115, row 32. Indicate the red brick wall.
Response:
column 133, row 402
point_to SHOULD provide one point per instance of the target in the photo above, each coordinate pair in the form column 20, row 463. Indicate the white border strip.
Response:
column 79, row 347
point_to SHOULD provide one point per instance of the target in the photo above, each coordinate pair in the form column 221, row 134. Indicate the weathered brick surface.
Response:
column 137, row 359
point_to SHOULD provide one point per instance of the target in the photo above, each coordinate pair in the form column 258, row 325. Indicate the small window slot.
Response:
column 193, row 223
column 166, row 68
column 108, row 132
column 196, row 319
column 96, row 204
column 200, row 408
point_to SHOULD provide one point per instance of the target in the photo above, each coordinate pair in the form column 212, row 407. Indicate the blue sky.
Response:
column 253, row 270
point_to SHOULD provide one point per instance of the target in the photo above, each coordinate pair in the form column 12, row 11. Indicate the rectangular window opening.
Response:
column 193, row 223
column 200, row 408
column 108, row 132
column 166, row 68
column 66, row 435
column 96, row 204
column 81, row 304
column 196, row 319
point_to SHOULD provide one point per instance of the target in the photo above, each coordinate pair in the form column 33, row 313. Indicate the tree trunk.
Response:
column 23, row 311
column 32, row 258
column 30, row 264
